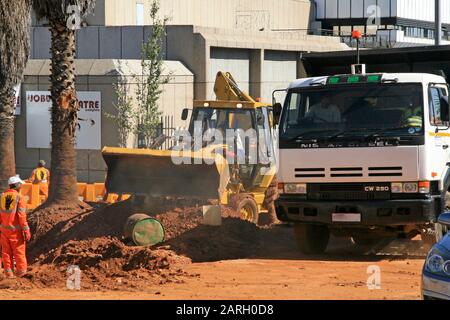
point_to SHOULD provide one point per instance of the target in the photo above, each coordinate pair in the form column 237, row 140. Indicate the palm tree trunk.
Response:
column 15, row 21
column 7, row 159
column 63, row 184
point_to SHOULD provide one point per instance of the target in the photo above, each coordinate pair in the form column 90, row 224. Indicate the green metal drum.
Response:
column 144, row 230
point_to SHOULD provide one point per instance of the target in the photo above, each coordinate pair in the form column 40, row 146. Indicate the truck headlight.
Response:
column 396, row 187
column 410, row 187
column 295, row 188
column 438, row 262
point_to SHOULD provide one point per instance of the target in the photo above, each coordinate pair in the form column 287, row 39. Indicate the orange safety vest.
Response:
column 40, row 175
column 13, row 218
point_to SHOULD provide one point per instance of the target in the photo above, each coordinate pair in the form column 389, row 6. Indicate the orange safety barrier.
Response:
column 99, row 192
column 31, row 194
column 96, row 192
column 81, row 188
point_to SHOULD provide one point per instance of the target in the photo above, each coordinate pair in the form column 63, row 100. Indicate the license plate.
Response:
column 346, row 217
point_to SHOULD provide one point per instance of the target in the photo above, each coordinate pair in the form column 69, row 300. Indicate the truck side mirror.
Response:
column 277, row 112
column 185, row 114
column 445, row 109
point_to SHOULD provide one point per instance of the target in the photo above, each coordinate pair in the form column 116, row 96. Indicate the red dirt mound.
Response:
column 107, row 263
column 91, row 238
column 104, row 221
column 235, row 239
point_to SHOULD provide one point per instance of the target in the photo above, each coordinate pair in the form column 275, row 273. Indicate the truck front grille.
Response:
column 349, row 192
column 348, row 172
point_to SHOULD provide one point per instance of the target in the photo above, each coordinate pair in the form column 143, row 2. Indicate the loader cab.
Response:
column 245, row 130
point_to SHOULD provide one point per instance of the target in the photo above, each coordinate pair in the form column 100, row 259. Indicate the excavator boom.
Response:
column 226, row 89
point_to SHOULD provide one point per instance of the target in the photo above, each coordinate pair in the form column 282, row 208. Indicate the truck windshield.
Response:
column 222, row 119
column 365, row 110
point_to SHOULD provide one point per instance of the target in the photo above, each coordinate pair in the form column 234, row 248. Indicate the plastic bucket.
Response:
column 144, row 230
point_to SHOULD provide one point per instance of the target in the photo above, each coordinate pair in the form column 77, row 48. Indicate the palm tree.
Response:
column 62, row 15
column 14, row 47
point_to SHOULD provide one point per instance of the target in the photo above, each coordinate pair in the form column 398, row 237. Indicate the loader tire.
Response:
column 246, row 208
column 270, row 196
column 311, row 239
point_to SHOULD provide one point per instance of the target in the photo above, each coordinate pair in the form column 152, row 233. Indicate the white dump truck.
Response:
column 365, row 156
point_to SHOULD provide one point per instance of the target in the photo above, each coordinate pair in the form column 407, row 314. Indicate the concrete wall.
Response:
column 204, row 51
column 280, row 67
column 98, row 75
column 231, row 60
column 96, row 42
column 231, row 14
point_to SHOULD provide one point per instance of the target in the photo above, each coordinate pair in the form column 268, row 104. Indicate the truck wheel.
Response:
column 246, row 208
column 311, row 239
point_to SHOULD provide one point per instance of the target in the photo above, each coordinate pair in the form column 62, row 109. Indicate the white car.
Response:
column 436, row 272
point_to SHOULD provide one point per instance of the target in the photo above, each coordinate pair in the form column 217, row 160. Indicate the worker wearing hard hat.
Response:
column 14, row 229
column 41, row 176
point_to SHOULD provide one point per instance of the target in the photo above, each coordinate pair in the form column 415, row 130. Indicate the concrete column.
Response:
column 202, row 63
column 256, row 73
column 438, row 23
column 301, row 70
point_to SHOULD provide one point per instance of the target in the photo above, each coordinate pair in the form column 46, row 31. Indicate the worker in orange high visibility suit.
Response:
column 14, row 229
column 41, row 176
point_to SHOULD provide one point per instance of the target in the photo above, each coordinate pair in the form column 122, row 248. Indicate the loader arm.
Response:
column 226, row 89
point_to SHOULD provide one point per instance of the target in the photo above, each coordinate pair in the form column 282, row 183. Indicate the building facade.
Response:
column 259, row 41
column 386, row 23
column 250, row 15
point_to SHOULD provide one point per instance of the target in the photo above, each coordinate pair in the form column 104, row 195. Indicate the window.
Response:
column 396, row 108
column 436, row 94
column 139, row 14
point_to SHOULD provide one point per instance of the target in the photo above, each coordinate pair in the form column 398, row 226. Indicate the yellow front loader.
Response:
column 238, row 170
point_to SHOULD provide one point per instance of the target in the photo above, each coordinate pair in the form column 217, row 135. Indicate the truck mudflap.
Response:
column 162, row 173
column 360, row 213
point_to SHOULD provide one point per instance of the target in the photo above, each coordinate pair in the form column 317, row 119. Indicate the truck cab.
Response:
column 365, row 156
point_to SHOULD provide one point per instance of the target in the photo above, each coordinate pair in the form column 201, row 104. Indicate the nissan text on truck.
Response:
column 365, row 156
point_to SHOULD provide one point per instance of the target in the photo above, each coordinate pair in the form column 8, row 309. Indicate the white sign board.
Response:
column 17, row 109
column 88, row 134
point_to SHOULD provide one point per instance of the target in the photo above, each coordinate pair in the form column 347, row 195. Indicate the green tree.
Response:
column 14, row 48
column 124, row 116
column 64, row 17
column 151, row 80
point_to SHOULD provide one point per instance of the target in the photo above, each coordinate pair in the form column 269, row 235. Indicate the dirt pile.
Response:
column 233, row 240
column 91, row 237
column 107, row 263
column 180, row 220
column 51, row 228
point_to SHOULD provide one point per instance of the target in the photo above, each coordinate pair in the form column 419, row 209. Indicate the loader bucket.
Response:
column 154, row 173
